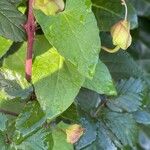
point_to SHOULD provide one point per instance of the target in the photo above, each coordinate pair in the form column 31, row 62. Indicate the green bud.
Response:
column 120, row 33
column 49, row 7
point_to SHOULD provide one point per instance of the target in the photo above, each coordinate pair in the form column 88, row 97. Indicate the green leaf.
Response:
column 60, row 82
column 74, row 33
column 144, row 141
column 16, row 61
column 71, row 114
column 142, row 7
column 13, row 105
column 88, row 100
column 121, row 65
column 11, row 22
column 3, row 145
column 121, row 125
column 142, row 117
column 90, row 131
column 104, row 141
column 109, row 12
column 60, row 138
column 30, row 119
column 39, row 140
column 41, row 45
column 102, row 82
column 5, row 44
column 130, row 96
column 14, row 1
column 12, row 85
column 3, row 121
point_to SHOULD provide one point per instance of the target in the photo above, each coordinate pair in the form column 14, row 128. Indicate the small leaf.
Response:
column 5, row 44
column 3, row 121
column 102, row 82
column 142, row 117
column 104, row 141
column 121, row 125
column 41, row 139
column 30, row 119
column 129, row 96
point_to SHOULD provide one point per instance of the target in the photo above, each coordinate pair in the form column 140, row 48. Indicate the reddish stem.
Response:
column 30, row 30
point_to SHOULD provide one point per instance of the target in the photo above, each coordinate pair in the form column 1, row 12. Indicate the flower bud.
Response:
column 74, row 132
column 120, row 33
column 49, row 7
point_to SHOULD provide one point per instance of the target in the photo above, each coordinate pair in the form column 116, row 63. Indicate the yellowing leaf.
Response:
column 74, row 132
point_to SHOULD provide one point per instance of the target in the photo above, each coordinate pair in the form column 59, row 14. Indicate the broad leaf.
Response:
column 110, row 12
column 60, row 82
column 102, row 82
column 5, row 44
column 74, row 33
column 11, row 22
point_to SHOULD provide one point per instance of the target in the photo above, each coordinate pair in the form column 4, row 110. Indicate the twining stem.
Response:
column 126, row 9
column 30, row 27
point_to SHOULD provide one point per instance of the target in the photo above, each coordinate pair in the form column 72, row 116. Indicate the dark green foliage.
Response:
column 73, row 80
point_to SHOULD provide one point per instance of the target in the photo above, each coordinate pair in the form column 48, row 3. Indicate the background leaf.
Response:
column 110, row 12
column 102, row 82
column 11, row 22
column 5, row 44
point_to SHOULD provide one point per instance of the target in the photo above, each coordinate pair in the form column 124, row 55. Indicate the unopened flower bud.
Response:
column 49, row 7
column 120, row 33
column 74, row 132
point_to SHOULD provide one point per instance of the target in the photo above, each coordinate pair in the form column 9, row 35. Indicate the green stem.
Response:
column 126, row 9
column 111, row 50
